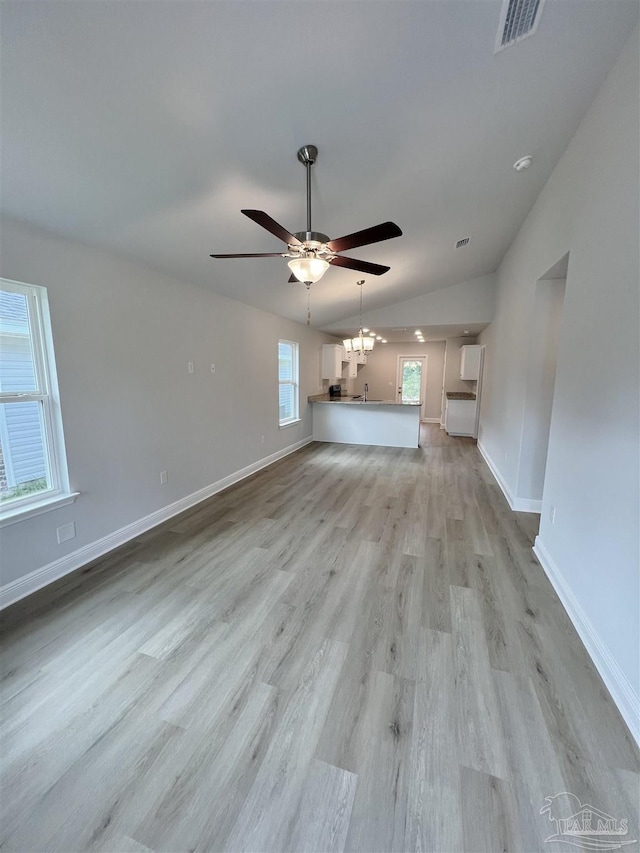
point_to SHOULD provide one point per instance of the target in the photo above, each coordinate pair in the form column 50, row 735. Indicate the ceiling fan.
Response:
column 310, row 252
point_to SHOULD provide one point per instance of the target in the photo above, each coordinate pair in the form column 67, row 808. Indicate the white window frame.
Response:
column 47, row 395
column 294, row 382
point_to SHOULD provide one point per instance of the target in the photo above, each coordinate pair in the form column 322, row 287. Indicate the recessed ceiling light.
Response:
column 417, row 332
column 523, row 163
column 365, row 331
column 372, row 333
column 384, row 340
column 378, row 337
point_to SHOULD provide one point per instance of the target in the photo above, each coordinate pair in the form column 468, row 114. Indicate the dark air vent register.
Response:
column 518, row 19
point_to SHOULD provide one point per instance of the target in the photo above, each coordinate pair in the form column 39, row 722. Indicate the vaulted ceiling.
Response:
column 144, row 128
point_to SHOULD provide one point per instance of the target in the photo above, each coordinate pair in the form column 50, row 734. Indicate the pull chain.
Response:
column 308, row 286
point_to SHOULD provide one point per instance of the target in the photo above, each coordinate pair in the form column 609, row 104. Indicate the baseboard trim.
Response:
column 624, row 696
column 28, row 584
column 516, row 504
column 429, row 420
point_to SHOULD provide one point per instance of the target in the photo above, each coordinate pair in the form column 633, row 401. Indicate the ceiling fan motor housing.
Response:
column 312, row 237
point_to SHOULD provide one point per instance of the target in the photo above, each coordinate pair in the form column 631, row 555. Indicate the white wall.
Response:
column 453, row 353
column 381, row 373
column 123, row 336
column 590, row 208
column 468, row 302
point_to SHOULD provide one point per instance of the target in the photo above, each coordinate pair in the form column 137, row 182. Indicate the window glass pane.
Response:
column 285, row 361
column 411, row 381
column 17, row 371
column 286, row 402
column 23, row 467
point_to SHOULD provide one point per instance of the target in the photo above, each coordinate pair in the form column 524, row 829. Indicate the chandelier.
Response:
column 362, row 344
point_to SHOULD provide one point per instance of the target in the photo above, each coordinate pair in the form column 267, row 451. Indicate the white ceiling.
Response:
column 407, row 334
column 144, row 128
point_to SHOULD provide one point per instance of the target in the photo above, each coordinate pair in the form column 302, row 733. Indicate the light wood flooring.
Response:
column 354, row 649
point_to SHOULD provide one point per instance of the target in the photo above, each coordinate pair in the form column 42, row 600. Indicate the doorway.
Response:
column 412, row 381
column 545, row 323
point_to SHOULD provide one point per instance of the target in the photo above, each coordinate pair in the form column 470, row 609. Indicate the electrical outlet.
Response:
column 66, row 532
column 190, row 367
column 163, row 478
column 552, row 514
column 213, row 368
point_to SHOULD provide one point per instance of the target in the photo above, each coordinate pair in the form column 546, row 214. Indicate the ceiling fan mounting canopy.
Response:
column 308, row 154
column 311, row 252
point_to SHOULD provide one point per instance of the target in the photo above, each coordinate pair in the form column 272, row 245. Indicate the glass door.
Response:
column 412, row 375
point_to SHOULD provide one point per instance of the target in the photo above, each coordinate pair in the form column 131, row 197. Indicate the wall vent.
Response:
column 518, row 20
column 464, row 242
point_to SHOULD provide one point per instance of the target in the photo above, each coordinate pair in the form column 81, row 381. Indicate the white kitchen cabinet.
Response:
column 354, row 360
column 333, row 355
column 460, row 417
column 470, row 362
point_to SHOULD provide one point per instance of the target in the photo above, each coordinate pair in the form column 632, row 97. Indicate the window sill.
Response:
column 11, row 516
column 290, row 423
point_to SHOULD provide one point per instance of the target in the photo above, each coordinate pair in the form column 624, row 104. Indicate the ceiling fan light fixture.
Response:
column 308, row 269
column 361, row 343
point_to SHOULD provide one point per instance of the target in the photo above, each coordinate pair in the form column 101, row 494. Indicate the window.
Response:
column 32, row 461
column 288, row 382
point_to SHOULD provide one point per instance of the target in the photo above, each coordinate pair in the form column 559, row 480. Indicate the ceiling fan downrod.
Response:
column 308, row 155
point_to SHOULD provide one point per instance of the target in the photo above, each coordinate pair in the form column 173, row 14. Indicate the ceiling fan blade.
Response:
column 292, row 278
column 361, row 266
column 252, row 255
column 262, row 218
column 376, row 234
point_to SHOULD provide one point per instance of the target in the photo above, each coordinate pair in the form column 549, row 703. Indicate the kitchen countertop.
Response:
column 349, row 401
column 460, row 395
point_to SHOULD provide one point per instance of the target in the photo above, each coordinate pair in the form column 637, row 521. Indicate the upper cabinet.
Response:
column 332, row 357
column 354, row 359
column 470, row 360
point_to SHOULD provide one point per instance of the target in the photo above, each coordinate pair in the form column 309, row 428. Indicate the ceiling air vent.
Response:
column 464, row 242
column 518, row 20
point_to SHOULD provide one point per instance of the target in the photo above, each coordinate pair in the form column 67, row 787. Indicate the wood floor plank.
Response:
column 322, row 821
column 380, row 755
column 534, row 766
column 273, row 801
column 434, row 770
column 489, row 814
column 212, row 777
column 480, row 737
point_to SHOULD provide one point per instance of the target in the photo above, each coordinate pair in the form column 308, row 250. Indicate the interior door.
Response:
column 412, row 380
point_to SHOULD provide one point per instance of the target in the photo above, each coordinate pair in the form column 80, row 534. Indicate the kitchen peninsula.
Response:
column 356, row 421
